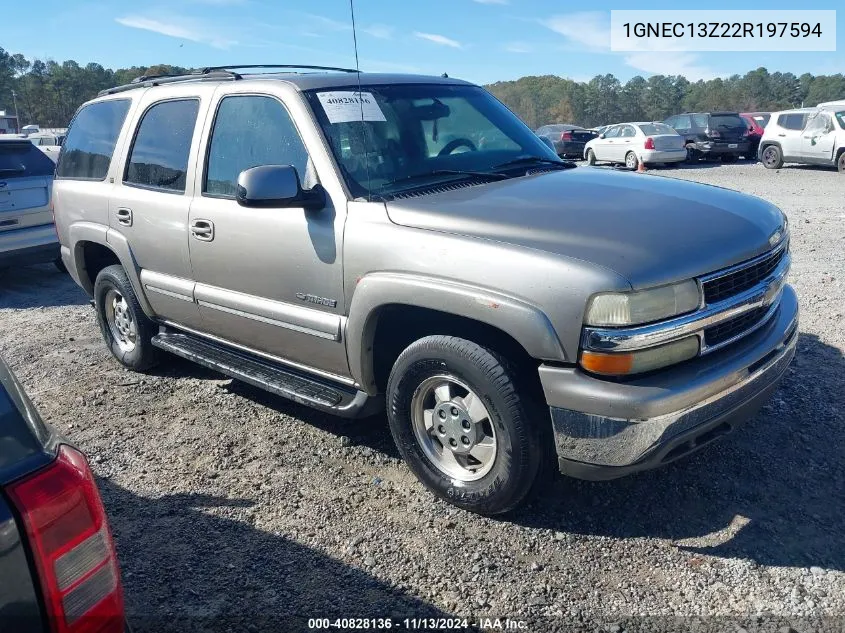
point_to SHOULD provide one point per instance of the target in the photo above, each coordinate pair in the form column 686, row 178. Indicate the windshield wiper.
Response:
column 525, row 160
column 447, row 172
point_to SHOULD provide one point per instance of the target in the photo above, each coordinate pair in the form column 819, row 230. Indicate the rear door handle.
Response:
column 124, row 216
column 202, row 230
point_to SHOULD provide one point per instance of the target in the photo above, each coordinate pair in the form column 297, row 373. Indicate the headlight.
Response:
column 621, row 364
column 644, row 306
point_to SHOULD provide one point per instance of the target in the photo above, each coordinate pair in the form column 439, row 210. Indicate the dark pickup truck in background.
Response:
column 58, row 567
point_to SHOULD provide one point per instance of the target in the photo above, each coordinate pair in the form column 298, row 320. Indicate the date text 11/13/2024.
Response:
column 417, row 624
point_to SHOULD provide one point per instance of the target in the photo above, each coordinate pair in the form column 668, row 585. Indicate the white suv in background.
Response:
column 813, row 136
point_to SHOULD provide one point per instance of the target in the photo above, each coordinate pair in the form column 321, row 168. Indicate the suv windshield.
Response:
column 416, row 135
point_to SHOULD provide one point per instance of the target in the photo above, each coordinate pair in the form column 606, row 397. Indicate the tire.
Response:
column 693, row 154
column 840, row 163
column 729, row 158
column 772, row 157
column 111, row 289
column 591, row 157
column 504, row 479
column 631, row 160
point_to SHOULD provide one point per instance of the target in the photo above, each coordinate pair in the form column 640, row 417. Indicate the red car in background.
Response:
column 756, row 123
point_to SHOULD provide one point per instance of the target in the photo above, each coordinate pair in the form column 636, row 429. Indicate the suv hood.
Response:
column 651, row 230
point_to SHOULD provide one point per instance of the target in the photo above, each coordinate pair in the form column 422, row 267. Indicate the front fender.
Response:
column 529, row 326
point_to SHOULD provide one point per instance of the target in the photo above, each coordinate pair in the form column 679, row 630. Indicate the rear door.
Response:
column 625, row 142
column 26, row 176
column 789, row 135
column 150, row 204
column 818, row 139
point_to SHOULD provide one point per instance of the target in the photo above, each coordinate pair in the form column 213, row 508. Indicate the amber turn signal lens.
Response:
column 608, row 364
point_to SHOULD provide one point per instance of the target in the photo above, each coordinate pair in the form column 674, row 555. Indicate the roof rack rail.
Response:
column 209, row 73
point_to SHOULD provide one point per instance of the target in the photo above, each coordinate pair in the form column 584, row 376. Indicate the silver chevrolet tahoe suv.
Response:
column 353, row 242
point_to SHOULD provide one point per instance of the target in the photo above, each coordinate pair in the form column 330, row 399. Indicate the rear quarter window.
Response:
column 20, row 159
column 727, row 121
column 89, row 145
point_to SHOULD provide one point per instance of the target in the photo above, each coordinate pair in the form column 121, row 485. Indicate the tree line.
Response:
column 47, row 93
column 605, row 99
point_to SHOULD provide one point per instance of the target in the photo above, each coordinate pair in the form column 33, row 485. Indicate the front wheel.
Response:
column 125, row 328
column 840, row 163
column 461, row 425
column 631, row 160
column 772, row 157
column 591, row 157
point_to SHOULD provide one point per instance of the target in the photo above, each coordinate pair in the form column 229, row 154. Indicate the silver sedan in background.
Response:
column 634, row 143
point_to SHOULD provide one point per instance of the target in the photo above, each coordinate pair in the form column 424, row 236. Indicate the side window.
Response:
column 820, row 124
column 89, row 145
column 792, row 121
column 700, row 120
column 628, row 132
column 612, row 132
column 250, row 131
column 159, row 156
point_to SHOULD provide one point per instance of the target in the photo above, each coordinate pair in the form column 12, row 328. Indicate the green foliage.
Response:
column 603, row 100
column 48, row 93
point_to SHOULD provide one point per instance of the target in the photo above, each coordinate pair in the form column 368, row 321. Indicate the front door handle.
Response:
column 124, row 216
column 202, row 230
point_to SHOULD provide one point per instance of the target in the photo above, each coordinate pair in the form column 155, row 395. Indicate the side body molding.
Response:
column 525, row 323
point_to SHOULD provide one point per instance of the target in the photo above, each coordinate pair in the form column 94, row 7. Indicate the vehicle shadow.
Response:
column 772, row 492
column 38, row 286
column 372, row 432
column 187, row 566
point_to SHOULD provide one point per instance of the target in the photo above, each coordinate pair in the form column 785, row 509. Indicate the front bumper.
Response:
column 606, row 429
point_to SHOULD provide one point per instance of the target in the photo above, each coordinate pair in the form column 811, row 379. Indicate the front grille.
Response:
column 740, row 280
column 732, row 327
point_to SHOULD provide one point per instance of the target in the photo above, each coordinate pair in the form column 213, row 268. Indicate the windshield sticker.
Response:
column 344, row 107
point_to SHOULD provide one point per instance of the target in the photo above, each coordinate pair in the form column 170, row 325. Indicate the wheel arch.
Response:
column 412, row 306
column 93, row 247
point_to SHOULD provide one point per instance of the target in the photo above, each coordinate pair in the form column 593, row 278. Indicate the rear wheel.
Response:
column 692, row 154
column 772, row 157
column 631, row 160
column 123, row 324
column 591, row 157
column 461, row 424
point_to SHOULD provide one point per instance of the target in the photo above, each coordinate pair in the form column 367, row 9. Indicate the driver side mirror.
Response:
column 601, row 135
column 276, row 186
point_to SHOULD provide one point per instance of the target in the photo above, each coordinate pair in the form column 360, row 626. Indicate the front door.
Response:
column 603, row 147
column 818, row 139
column 269, row 279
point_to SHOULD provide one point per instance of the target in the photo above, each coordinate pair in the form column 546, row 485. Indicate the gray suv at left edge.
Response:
column 367, row 242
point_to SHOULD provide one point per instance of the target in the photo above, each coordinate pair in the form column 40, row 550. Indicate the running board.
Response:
column 298, row 386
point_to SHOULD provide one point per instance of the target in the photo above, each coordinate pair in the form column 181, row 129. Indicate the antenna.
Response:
column 360, row 98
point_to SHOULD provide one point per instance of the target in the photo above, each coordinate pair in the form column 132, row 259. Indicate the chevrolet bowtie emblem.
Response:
column 775, row 237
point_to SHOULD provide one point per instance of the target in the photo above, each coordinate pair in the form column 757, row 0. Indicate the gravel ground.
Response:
column 235, row 510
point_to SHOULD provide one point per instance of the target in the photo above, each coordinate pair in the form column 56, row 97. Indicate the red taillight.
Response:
column 649, row 143
column 566, row 136
column 66, row 524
